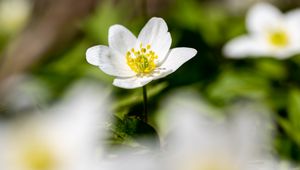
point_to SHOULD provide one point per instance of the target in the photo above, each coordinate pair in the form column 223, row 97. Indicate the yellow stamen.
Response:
column 141, row 61
column 143, row 50
column 38, row 158
column 279, row 38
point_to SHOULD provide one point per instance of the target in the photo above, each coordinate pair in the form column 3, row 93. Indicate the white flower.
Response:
column 137, row 61
column 271, row 33
column 199, row 141
column 64, row 137
column 14, row 14
column 200, row 144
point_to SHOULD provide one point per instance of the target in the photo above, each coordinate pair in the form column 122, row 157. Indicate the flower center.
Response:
column 278, row 38
column 141, row 61
column 38, row 158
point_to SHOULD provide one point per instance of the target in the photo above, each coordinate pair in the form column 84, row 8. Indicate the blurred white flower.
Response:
column 63, row 137
column 137, row 61
column 271, row 33
column 14, row 14
column 201, row 142
column 238, row 6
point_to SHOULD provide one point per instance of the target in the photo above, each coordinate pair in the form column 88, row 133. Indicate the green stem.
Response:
column 145, row 116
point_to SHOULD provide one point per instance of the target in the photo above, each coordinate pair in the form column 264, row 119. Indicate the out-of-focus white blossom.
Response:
column 271, row 33
column 199, row 141
column 239, row 6
column 64, row 137
column 14, row 14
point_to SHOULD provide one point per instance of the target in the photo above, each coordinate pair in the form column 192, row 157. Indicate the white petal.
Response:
column 245, row 46
column 162, row 47
column 121, row 39
column 94, row 54
column 293, row 16
column 293, row 24
column 284, row 53
column 153, row 28
column 131, row 83
column 262, row 17
column 108, row 61
column 155, row 33
column 177, row 57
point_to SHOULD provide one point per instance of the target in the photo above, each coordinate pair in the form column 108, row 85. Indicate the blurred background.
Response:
column 43, row 45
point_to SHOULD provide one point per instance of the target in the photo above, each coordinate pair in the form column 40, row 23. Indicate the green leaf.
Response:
column 132, row 132
column 271, row 68
column 289, row 129
column 294, row 108
column 232, row 84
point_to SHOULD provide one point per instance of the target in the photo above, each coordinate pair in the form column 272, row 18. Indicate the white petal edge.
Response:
column 107, row 61
column 263, row 16
column 293, row 15
column 121, row 39
column 177, row 57
column 245, row 46
column 132, row 82
column 155, row 33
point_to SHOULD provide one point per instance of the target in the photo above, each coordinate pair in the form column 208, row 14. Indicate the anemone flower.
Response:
column 271, row 34
column 137, row 61
column 64, row 137
column 200, row 139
